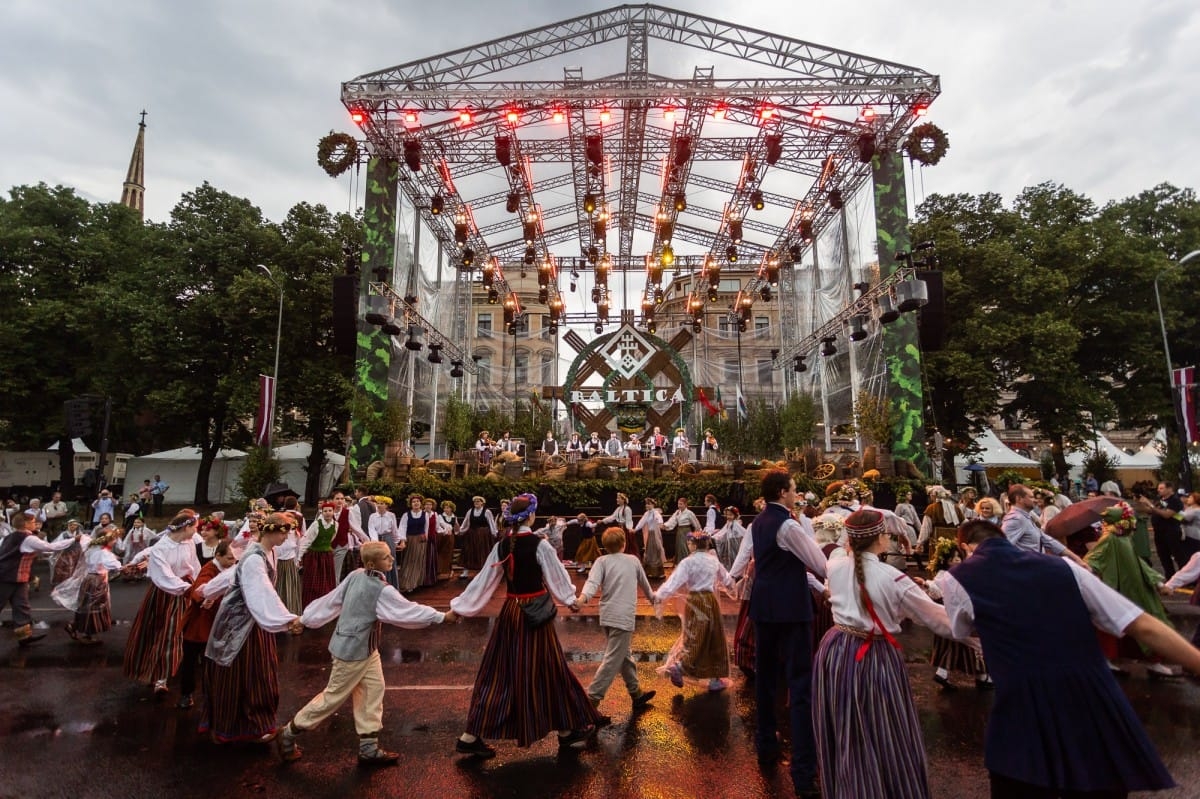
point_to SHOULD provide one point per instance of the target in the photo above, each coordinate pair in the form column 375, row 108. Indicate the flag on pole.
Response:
column 742, row 410
column 721, row 405
column 706, row 402
column 264, row 420
column 1183, row 381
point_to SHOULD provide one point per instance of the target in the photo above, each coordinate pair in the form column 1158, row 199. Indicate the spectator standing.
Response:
column 158, row 490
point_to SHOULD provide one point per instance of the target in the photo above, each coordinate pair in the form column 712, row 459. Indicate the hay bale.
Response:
column 440, row 465
column 418, row 471
column 505, row 457
column 375, row 470
column 555, row 473
column 493, row 477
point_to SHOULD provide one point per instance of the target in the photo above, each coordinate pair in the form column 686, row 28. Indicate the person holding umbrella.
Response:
column 1023, row 532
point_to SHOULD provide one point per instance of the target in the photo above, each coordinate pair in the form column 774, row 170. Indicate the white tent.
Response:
column 1142, row 459
column 293, row 461
column 993, row 454
column 77, row 445
column 179, row 469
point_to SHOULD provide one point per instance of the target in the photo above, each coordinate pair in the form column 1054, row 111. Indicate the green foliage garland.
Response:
column 927, row 143
column 336, row 153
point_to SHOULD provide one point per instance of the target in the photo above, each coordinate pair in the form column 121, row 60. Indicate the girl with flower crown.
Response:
column 948, row 654
column 88, row 588
column 1114, row 561
column 524, row 687
column 701, row 652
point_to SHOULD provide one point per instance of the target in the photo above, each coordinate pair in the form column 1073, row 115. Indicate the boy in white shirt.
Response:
column 617, row 577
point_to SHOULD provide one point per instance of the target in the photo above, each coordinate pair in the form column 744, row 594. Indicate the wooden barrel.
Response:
column 572, row 470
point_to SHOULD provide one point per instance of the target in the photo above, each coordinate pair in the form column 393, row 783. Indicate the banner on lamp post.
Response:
column 1183, row 384
column 264, row 420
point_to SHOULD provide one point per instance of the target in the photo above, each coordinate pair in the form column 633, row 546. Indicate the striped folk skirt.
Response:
column 869, row 739
column 287, row 585
column 525, row 688
column 414, row 565
column 743, row 639
column 653, row 556
column 445, row 553
column 476, row 546
column 243, row 697
column 64, row 565
column 94, row 613
column 822, row 616
column 954, row 655
column 703, row 653
column 317, row 579
column 155, row 644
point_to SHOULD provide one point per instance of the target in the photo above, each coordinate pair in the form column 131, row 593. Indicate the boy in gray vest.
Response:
column 360, row 604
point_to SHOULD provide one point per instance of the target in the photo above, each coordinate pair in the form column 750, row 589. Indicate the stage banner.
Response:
column 374, row 360
column 1183, row 382
column 901, row 345
column 264, row 420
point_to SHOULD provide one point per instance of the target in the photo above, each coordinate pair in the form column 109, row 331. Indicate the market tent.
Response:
column 1141, row 460
column 77, row 445
column 293, row 462
column 179, row 469
column 995, row 456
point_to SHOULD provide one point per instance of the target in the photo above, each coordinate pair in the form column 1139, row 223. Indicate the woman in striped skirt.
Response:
column 868, row 737
column 525, row 687
column 155, row 644
column 198, row 621
column 287, row 565
column 317, row 576
column 949, row 655
column 478, row 531
column 241, row 672
column 92, row 601
column 415, row 526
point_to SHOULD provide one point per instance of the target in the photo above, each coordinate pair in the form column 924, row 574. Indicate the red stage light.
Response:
column 464, row 117
column 868, row 113
column 513, row 116
column 766, row 113
column 605, row 115
column 358, row 117
column 410, row 117
column 817, row 112
column 719, row 112
column 559, row 115
column 921, row 109
column 669, row 113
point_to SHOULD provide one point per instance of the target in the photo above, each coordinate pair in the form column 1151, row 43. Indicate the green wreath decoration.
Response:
column 927, row 143
column 336, row 153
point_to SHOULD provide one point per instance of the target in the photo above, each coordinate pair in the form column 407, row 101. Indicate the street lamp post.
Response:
column 1185, row 470
column 278, row 336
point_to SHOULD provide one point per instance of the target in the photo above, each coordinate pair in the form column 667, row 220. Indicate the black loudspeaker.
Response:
column 345, row 309
column 931, row 323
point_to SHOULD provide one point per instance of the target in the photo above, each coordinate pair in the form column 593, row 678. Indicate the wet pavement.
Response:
column 73, row 726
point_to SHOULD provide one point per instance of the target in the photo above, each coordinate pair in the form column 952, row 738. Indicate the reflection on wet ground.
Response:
column 78, row 728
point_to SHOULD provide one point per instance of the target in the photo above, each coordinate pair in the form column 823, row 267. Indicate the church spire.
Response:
column 133, row 192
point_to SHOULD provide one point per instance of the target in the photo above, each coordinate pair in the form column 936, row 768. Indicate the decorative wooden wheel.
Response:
column 824, row 471
column 554, row 462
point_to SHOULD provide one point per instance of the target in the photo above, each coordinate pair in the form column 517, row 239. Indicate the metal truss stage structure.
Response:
column 507, row 165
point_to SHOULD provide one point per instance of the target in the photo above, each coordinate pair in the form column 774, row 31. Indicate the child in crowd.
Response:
column 701, row 652
column 617, row 577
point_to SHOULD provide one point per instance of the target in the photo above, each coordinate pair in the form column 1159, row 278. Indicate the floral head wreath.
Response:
column 210, row 523
column 515, row 519
column 1120, row 517
column 943, row 553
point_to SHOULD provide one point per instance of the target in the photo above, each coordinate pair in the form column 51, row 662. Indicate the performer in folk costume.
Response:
column 1036, row 617
column 941, row 512
column 524, row 687
column 680, row 446
column 287, row 564
column 137, row 539
column 18, row 550
column 198, row 622
column 588, row 550
column 593, row 446
column 1115, row 562
column 155, row 644
column 383, row 526
column 617, row 577
column 623, row 518
column 444, row 541
column 613, row 448
column 549, row 445
column 633, row 451
column 649, row 527
column 317, row 575
column 362, row 602
column 87, row 593
column 212, row 531
column 684, row 522
column 949, row 655
column 478, row 531
column 712, row 515
column 658, row 445
column 709, row 447
column 242, row 670
column 868, row 736
column 574, row 449
column 416, row 529
column 68, row 559
column 728, row 540
column 484, row 446
column 700, row 653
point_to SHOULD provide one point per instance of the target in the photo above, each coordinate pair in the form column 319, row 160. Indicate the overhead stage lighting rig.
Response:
column 419, row 330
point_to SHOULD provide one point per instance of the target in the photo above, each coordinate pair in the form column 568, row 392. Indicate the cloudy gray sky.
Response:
column 1098, row 95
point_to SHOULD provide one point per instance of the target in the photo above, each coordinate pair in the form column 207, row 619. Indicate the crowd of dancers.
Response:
column 823, row 594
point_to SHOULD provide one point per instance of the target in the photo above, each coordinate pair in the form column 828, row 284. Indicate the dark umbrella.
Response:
column 976, row 467
column 1078, row 516
column 275, row 492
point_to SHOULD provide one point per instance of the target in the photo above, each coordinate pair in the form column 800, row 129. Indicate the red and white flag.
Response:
column 264, row 420
column 1183, row 382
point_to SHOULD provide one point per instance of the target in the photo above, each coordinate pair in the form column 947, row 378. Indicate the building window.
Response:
column 762, row 324
column 730, row 370
column 521, row 367
column 485, row 368
column 483, row 325
column 547, row 368
column 766, row 375
column 725, row 325
column 729, row 286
